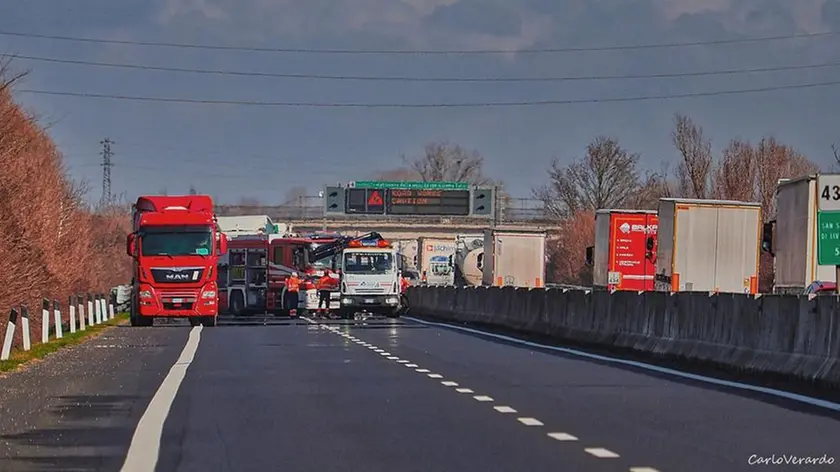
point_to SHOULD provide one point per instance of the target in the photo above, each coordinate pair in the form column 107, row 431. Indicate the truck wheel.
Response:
column 209, row 321
column 194, row 321
column 237, row 304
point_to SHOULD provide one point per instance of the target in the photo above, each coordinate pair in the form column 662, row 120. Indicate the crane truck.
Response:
column 175, row 245
column 370, row 274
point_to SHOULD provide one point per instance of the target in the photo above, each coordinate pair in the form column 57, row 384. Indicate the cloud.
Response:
column 417, row 23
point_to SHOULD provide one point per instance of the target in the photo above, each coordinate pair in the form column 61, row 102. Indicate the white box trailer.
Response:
column 708, row 245
column 436, row 260
column 514, row 257
column 795, row 237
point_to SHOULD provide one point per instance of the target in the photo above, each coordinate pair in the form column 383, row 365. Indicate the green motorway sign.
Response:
column 412, row 185
column 828, row 238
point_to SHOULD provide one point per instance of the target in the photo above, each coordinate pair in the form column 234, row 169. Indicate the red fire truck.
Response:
column 175, row 243
column 252, row 275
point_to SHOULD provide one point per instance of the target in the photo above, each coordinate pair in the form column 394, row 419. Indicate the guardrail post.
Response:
column 24, row 326
column 45, row 321
column 98, row 307
column 10, row 336
column 91, row 319
column 80, row 301
column 72, row 308
column 111, row 310
column 59, row 327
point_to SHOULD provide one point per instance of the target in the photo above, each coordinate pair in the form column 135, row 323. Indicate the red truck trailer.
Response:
column 176, row 244
column 625, row 249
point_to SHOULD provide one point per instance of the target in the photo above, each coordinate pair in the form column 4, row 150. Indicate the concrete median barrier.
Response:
column 787, row 336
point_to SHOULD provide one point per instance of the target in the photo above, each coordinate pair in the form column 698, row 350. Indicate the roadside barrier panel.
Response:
column 777, row 334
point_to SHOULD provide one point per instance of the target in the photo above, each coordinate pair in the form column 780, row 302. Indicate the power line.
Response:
column 432, row 79
column 430, row 105
column 421, row 51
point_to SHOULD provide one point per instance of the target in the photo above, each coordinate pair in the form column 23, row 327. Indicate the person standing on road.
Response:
column 292, row 291
column 325, row 284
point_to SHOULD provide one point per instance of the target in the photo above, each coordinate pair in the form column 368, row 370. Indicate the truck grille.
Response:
column 178, row 299
column 177, row 275
column 369, row 291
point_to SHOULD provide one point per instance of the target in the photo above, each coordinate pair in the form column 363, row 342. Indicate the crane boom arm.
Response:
column 335, row 247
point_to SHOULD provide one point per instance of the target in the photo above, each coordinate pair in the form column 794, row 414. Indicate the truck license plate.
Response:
column 177, row 300
column 368, row 300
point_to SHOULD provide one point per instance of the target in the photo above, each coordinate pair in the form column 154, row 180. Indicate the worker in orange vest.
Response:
column 325, row 284
column 292, row 291
column 404, row 283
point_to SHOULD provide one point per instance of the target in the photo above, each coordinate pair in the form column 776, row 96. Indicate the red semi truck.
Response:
column 176, row 244
column 625, row 249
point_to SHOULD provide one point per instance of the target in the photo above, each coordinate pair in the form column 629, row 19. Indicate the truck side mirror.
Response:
column 131, row 245
column 223, row 244
column 451, row 261
column 589, row 255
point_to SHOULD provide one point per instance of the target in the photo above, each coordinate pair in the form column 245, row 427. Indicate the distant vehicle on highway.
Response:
column 821, row 288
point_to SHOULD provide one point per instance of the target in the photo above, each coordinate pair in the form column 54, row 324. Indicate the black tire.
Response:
column 194, row 320
column 209, row 321
column 136, row 318
column 237, row 304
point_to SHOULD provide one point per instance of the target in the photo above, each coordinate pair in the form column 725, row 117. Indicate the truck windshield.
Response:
column 368, row 263
column 176, row 241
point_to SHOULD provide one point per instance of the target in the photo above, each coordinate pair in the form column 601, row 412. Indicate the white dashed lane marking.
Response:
column 601, row 453
column 598, row 452
column 530, row 421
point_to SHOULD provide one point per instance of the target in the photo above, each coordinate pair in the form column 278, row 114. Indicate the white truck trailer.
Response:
column 514, row 257
column 436, row 260
column 708, row 246
column 794, row 242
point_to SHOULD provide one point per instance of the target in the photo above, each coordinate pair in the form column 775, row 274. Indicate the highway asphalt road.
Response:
column 377, row 396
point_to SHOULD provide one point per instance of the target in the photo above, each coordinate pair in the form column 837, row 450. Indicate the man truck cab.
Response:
column 370, row 278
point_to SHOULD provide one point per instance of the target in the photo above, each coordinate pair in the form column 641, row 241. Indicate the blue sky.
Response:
column 234, row 151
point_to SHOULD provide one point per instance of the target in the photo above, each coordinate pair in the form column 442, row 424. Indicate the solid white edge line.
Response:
column 144, row 450
column 664, row 370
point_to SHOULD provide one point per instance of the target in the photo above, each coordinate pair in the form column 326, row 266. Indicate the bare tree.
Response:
column 694, row 171
column 398, row 174
column 443, row 161
column 295, row 196
column 249, row 202
column 7, row 76
column 777, row 161
column 735, row 176
column 605, row 178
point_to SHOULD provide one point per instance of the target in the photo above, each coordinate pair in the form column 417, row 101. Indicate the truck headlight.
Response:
column 145, row 294
column 346, row 301
column 392, row 301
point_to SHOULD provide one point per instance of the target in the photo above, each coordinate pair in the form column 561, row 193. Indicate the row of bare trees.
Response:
column 608, row 176
column 52, row 244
